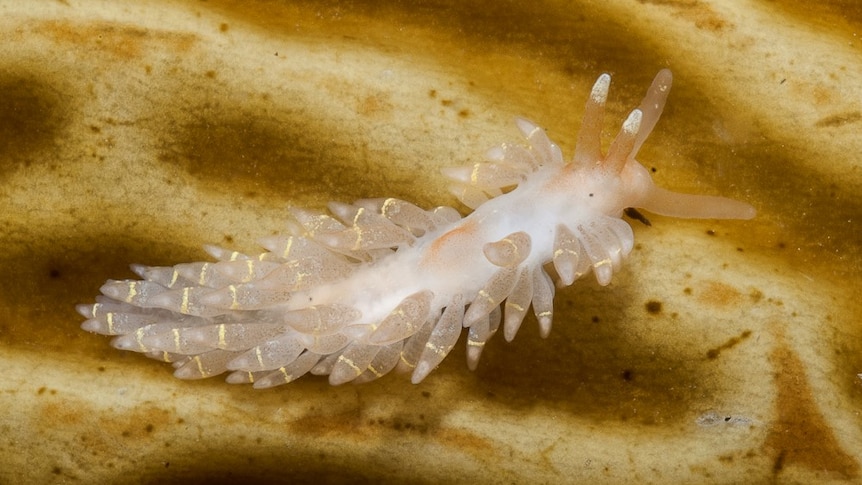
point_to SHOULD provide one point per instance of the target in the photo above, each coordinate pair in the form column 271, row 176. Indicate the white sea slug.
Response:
column 383, row 284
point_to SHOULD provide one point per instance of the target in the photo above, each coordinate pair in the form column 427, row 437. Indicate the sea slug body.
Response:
column 383, row 284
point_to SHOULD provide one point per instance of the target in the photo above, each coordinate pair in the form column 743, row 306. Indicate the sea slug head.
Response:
column 616, row 180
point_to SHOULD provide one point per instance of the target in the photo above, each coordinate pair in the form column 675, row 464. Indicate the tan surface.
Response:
column 724, row 351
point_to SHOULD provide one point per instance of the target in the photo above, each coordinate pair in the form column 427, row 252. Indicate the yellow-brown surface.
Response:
column 724, row 352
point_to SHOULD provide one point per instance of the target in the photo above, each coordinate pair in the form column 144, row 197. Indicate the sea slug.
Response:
column 382, row 284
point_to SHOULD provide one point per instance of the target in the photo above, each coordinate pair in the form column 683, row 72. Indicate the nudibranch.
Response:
column 382, row 284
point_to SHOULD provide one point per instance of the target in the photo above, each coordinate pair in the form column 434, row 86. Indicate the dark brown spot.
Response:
column 778, row 463
column 30, row 119
column 653, row 307
column 637, row 215
column 839, row 119
column 732, row 342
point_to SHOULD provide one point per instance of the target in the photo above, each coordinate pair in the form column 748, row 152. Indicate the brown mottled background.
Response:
column 725, row 352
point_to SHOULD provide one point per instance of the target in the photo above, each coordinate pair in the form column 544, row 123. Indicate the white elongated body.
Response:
column 382, row 284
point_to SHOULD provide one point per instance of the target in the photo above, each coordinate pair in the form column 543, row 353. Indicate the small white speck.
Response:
column 710, row 419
